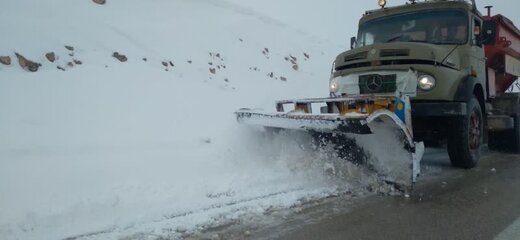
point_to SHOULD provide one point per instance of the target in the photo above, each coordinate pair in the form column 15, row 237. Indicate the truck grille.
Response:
column 356, row 56
column 394, row 53
column 375, row 83
column 391, row 62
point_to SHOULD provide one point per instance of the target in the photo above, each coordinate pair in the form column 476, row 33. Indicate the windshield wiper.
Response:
column 420, row 41
column 404, row 40
column 394, row 38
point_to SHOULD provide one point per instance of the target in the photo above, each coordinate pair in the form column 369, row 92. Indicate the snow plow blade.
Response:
column 385, row 140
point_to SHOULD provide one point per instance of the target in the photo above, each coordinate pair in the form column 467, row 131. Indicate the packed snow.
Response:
column 140, row 149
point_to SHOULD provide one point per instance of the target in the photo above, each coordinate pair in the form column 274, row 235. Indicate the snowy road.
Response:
column 483, row 203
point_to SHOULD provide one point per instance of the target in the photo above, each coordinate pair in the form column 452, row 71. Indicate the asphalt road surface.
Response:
column 447, row 203
column 482, row 203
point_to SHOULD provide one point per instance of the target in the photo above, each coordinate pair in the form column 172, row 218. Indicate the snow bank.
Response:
column 108, row 149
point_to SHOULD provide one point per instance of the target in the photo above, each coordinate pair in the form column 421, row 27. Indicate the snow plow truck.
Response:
column 431, row 72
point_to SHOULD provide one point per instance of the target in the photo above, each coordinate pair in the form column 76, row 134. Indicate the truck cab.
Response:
column 443, row 43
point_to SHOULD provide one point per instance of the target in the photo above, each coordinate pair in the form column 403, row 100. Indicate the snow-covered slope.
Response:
column 107, row 149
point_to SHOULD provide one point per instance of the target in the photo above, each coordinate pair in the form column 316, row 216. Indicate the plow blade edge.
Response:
column 386, row 142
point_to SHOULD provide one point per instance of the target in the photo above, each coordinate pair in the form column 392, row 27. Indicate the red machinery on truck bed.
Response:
column 502, row 53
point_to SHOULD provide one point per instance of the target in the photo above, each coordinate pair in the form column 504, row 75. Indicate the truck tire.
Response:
column 466, row 137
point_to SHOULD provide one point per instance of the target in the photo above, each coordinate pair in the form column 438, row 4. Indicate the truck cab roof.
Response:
column 418, row 6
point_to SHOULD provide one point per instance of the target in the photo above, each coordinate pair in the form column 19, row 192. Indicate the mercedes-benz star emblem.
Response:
column 374, row 83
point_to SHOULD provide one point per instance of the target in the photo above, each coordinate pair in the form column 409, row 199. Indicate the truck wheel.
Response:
column 466, row 137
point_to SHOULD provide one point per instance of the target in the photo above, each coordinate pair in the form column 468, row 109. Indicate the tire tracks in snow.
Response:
column 170, row 217
column 233, row 203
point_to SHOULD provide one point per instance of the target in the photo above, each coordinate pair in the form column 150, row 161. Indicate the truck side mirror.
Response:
column 476, row 30
column 352, row 42
column 478, row 35
column 489, row 33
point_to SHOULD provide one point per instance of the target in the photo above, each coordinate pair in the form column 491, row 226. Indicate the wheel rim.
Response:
column 474, row 131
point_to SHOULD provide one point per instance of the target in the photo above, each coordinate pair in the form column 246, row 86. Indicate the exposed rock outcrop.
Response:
column 51, row 56
column 100, row 2
column 27, row 64
column 6, row 60
column 120, row 57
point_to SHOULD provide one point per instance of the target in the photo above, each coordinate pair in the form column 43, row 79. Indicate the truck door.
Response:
column 478, row 60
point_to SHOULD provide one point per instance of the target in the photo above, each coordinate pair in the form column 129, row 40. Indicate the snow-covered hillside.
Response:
column 108, row 149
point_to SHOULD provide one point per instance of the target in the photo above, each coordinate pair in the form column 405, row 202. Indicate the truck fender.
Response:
column 469, row 87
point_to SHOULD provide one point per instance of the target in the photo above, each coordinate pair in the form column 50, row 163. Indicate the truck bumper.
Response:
column 438, row 109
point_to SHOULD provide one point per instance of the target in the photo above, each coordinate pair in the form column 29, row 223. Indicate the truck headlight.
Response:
column 426, row 82
column 334, row 86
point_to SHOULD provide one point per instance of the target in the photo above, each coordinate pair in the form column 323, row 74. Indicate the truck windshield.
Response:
column 435, row 27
